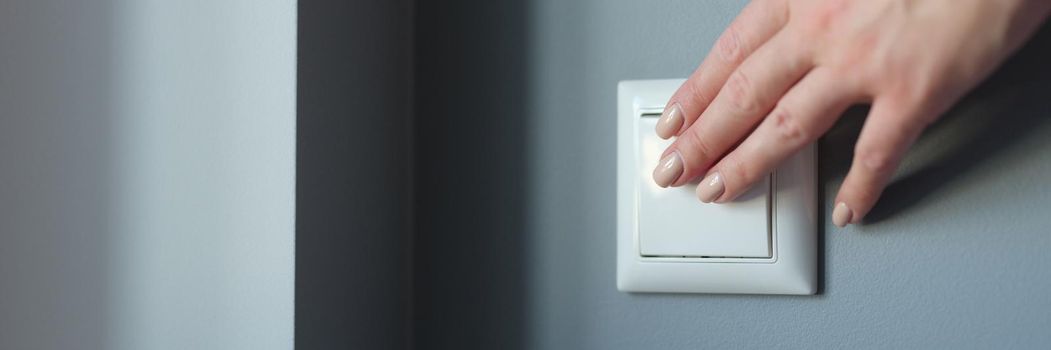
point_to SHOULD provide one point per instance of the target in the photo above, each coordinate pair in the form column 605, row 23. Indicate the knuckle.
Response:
column 788, row 127
column 920, row 111
column 697, row 93
column 729, row 45
column 827, row 14
column 910, row 96
column 740, row 170
column 739, row 92
column 780, row 10
column 694, row 148
column 877, row 161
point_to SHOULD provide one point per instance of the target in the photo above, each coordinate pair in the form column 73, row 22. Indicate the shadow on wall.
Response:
column 55, row 161
column 471, row 194
column 1005, row 109
column 353, row 175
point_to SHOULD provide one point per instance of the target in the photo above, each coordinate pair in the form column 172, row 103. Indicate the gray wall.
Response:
column 518, row 245
column 147, row 153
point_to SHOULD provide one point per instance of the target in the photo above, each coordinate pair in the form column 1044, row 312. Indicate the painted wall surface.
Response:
column 954, row 256
column 957, row 259
column 147, row 154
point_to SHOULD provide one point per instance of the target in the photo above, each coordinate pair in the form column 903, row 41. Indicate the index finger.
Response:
column 756, row 24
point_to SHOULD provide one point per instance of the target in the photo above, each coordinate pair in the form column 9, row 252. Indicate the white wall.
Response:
column 147, row 174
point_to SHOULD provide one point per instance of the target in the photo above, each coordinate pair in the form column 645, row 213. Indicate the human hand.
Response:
column 785, row 70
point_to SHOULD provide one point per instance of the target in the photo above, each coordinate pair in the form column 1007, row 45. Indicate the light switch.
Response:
column 672, row 222
column 765, row 242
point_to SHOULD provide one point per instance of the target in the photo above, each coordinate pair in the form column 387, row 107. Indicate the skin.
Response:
column 785, row 70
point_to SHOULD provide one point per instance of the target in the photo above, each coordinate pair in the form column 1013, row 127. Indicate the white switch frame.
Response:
column 672, row 224
column 792, row 269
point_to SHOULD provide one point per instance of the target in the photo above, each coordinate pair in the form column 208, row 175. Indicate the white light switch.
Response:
column 668, row 241
column 672, row 222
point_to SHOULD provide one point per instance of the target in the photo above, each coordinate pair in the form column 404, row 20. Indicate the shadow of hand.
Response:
column 1012, row 104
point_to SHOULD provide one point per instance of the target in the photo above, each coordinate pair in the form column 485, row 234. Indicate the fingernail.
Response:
column 670, row 122
column 710, row 188
column 841, row 215
column 668, row 170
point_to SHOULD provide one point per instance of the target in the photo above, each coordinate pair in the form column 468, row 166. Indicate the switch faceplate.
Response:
column 672, row 222
column 668, row 241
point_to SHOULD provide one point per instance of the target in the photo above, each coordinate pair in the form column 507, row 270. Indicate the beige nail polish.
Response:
column 842, row 215
column 669, row 170
column 670, row 122
column 710, row 188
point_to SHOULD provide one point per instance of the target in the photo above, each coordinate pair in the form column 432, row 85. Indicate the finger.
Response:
column 756, row 24
column 749, row 93
column 805, row 112
column 888, row 132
